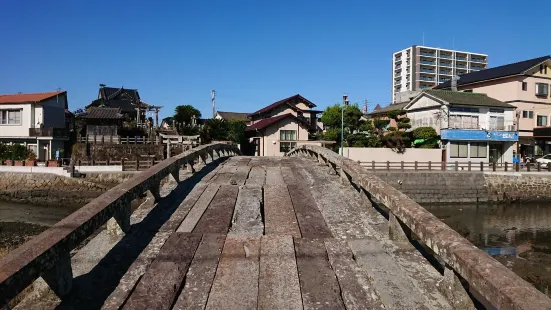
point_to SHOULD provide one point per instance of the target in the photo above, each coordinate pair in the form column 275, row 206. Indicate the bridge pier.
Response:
column 119, row 224
column 60, row 277
column 395, row 230
column 189, row 167
column 175, row 174
column 155, row 191
column 454, row 291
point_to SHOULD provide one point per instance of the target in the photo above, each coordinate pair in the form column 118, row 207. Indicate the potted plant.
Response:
column 52, row 163
column 9, row 162
column 31, row 159
column 19, row 163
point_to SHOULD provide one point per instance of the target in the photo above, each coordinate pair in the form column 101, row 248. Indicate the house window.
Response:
column 542, row 89
column 463, row 121
column 458, row 149
column 287, row 135
column 527, row 114
column 478, row 150
column 497, row 123
column 10, row 117
column 524, row 86
column 541, row 120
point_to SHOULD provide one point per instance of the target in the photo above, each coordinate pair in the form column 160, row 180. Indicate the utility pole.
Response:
column 344, row 105
column 364, row 108
column 213, row 99
column 518, row 134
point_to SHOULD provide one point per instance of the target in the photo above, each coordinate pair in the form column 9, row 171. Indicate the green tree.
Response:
column 425, row 137
column 332, row 118
column 236, row 131
column 183, row 115
column 214, row 129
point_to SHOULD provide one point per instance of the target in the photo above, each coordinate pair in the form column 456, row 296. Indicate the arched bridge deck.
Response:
column 260, row 233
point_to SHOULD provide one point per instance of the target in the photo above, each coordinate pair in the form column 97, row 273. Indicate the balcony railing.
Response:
column 427, row 71
column 423, row 78
column 49, row 132
column 397, row 82
column 446, row 72
column 478, row 60
column 461, row 66
column 446, row 56
column 443, row 64
column 461, row 58
column 431, row 63
column 427, row 54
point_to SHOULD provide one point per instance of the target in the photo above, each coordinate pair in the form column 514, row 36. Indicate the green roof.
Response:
column 392, row 107
column 468, row 99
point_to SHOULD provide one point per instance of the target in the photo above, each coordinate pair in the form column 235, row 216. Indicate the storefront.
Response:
column 464, row 145
column 542, row 137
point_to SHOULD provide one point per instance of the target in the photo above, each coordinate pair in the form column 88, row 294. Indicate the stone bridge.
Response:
column 312, row 230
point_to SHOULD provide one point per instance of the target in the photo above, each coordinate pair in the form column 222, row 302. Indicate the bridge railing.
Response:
column 486, row 278
column 48, row 254
column 454, row 166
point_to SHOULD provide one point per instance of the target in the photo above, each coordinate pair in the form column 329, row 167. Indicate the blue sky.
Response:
column 252, row 52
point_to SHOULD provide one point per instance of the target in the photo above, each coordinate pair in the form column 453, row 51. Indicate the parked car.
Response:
column 544, row 160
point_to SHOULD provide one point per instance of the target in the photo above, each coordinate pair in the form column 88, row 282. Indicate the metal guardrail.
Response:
column 492, row 282
column 455, row 166
column 48, row 254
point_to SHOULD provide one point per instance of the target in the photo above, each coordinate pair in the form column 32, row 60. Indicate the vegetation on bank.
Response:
column 15, row 152
column 359, row 131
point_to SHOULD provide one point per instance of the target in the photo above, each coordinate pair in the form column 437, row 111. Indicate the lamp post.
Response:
column 344, row 105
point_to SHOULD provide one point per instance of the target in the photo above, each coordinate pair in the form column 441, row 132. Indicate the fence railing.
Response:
column 48, row 254
column 491, row 282
column 49, row 132
column 98, row 139
column 455, row 166
column 127, row 165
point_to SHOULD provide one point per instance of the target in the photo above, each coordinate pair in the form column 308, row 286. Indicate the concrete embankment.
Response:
column 48, row 189
column 468, row 187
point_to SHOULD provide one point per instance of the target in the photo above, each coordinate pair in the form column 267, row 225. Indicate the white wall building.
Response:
column 472, row 127
column 36, row 120
column 420, row 67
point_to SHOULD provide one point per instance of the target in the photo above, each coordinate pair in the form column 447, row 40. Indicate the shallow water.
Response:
column 517, row 235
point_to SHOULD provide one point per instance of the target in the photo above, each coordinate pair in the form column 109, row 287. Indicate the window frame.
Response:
column 458, row 153
column 543, row 93
column 538, row 120
column 5, row 117
column 286, row 146
column 283, row 135
column 478, row 146
column 524, row 86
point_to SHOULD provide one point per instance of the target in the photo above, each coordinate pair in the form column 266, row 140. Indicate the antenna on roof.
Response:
column 102, row 85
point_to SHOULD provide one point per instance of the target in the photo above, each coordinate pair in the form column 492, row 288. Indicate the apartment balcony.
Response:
column 398, row 59
column 397, row 76
column 427, row 54
column 460, row 58
column 427, row 71
column 428, row 63
column 425, row 78
column 479, row 60
column 461, row 66
column 477, row 68
column 446, row 56
column 443, row 80
column 397, row 83
column 445, row 64
column 397, row 67
column 49, row 132
column 446, row 72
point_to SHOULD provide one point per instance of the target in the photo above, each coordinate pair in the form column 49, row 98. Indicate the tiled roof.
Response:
column 272, row 120
column 102, row 113
column 469, row 99
column 392, row 107
column 234, row 115
column 108, row 93
column 126, row 106
column 496, row 72
column 23, row 98
column 284, row 101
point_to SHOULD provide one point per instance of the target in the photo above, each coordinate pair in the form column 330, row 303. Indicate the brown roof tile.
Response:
column 24, row 98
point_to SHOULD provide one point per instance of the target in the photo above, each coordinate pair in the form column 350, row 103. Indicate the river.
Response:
column 517, row 235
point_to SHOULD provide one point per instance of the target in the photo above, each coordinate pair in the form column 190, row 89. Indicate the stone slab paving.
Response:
column 266, row 233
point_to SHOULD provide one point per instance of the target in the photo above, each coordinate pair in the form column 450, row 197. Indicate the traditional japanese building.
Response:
column 131, row 106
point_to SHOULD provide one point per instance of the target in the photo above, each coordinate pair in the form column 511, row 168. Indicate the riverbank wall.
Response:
column 443, row 187
column 48, row 189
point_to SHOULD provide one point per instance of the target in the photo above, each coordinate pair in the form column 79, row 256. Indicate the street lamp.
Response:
column 344, row 105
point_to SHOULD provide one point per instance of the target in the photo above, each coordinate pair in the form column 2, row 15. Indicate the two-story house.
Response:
column 523, row 84
column 37, row 121
column 281, row 126
column 472, row 126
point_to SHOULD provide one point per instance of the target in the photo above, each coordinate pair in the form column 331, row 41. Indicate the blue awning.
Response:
column 478, row 135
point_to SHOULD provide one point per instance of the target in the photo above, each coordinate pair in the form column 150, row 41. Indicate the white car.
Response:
column 544, row 160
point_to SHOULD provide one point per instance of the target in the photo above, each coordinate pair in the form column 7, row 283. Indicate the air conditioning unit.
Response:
column 511, row 128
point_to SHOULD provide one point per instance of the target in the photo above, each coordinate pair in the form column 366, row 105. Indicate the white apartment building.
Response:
column 419, row 67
